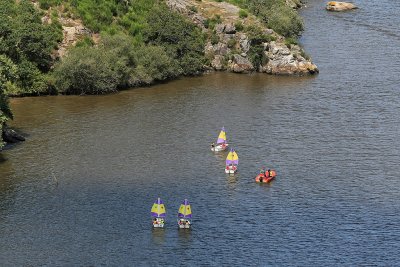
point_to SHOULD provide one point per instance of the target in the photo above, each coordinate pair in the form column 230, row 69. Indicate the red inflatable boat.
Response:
column 266, row 177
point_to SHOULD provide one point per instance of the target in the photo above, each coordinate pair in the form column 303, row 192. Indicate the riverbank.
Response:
column 182, row 38
column 239, row 42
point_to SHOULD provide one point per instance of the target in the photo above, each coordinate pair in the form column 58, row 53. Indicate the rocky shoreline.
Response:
column 10, row 136
column 230, row 47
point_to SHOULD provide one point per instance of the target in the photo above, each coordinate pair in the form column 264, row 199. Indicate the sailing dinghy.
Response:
column 221, row 142
column 184, row 215
column 158, row 213
column 231, row 163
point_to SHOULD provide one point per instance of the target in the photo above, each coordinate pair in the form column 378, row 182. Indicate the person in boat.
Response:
column 213, row 145
column 268, row 173
column 262, row 170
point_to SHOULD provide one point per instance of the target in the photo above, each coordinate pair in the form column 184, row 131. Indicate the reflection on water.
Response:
column 185, row 236
column 158, row 235
column 232, row 180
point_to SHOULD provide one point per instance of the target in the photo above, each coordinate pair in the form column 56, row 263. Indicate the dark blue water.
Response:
column 79, row 191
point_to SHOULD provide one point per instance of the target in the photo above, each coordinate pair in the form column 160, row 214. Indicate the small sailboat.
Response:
column 221, row 142
column 158, row 213
column 232, row 161
column 184, row 215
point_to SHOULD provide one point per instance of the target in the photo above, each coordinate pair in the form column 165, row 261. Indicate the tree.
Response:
column 7, row 77
column 181, row 38
column 88, row 70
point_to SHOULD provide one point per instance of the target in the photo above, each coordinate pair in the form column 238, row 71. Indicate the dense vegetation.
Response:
column 25, row 52
column 276, row 14
column 28, row 43
column 7, row 77
column 166, row 46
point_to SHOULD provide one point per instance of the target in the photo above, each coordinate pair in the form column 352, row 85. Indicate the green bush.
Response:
column 284, row 20
column 231, row 43
column 153, row 64
column 182, row 40
column 8, row 76
column 114, row 64
column 257, row 36
column 46, row 4
column 276, row 14
column 243, row 13
column 193, row 9
column 239, row 26
column 214, row 39
column 24, row 36
column 210, row 23
column 28, row 44
column 31, row 80
column 88, row 70
column 86, row 41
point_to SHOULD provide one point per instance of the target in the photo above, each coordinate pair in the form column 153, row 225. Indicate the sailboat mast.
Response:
column 158, row 207
column 185, row 204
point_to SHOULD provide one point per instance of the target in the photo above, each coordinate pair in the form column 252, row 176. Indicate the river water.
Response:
column 78, row 192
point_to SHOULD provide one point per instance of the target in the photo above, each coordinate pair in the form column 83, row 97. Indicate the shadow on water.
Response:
column 185, row 236
column 2, row 158
column 232, row 178
column 158, row 235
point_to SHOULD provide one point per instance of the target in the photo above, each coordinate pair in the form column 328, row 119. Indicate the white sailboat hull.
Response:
column 161, row 225
column 219, row 148
column 184, row 224
column 231, row 170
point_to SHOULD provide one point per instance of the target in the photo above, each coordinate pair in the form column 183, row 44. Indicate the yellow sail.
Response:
column 232, row 155
column 235, row 156
column 222, row 135
column 232, row 158
column 185, row 211
column 158, row 209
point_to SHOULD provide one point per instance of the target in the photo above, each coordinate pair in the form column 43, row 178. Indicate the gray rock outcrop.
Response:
column 11, row 136
column 232, row 46
column 339, row 6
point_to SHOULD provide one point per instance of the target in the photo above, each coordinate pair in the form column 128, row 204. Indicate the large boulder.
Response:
column 339, row 6
column 217, row 62
column 282, row 67
column 11, row 136
column 240, row 64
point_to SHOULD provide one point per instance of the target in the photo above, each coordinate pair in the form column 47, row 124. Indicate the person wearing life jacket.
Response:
column 268, row 173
